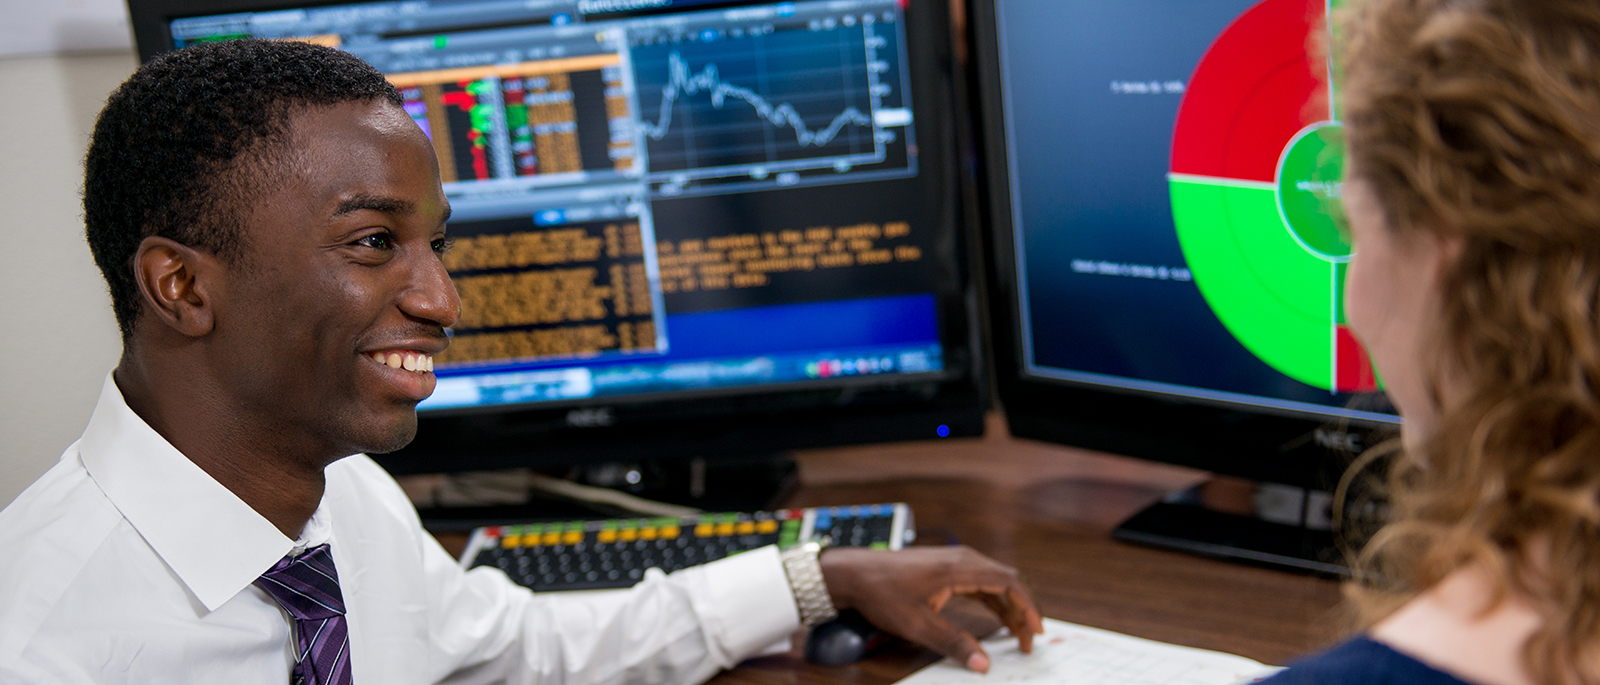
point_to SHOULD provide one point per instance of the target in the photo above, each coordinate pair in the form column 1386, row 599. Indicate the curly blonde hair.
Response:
column 1480, row 119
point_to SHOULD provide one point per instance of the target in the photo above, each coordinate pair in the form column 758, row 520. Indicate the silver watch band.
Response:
column 805, row 579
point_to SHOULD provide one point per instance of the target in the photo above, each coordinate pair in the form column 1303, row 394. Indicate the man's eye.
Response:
column 443, row 245
column 376, row 241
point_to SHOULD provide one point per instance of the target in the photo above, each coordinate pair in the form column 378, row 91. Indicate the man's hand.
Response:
column 903, row 591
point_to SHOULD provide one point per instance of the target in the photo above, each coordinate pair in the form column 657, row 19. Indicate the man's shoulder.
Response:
column 65, row 501
column 49, row 532
column 358, row 482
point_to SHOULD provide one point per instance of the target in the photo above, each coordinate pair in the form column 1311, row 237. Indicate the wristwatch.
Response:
column 805, row 579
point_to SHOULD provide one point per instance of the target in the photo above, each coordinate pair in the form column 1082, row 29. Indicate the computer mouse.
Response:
column 844, row 640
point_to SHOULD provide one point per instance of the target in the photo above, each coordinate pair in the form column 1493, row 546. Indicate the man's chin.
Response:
column 400, row 434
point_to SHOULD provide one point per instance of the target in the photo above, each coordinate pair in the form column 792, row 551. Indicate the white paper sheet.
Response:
column 1070, row 654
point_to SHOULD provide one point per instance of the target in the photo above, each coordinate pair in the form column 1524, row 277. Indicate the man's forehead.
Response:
column 376, row 114
column 363, row 156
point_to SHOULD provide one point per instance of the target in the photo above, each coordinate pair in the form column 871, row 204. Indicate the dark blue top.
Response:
column 1361, row 661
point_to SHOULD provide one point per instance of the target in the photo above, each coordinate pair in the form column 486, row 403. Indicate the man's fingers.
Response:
column 937, row 634
column 977, row 570
column 1013, row 617
column 987, row 576
column 1013, row 620
column 1024, row 602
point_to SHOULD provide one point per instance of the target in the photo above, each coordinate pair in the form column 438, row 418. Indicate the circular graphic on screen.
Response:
column 1257, row 166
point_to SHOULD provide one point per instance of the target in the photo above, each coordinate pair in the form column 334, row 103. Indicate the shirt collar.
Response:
column 317, row 531
column 215, row 543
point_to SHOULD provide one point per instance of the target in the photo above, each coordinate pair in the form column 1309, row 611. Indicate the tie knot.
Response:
column 307, row 585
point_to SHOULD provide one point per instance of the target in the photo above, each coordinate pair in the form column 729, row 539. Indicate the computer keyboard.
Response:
column 614, row 553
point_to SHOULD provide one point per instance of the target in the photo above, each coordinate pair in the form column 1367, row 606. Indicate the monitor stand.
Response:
column 1264, row 524
column 723, row 484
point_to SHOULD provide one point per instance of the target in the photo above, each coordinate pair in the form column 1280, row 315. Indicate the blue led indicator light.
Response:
column 944, row 431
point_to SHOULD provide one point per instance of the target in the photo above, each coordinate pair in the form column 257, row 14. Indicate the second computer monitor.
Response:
column 1164, row 187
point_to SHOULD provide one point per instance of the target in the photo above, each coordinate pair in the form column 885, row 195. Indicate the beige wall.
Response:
column 58, row 339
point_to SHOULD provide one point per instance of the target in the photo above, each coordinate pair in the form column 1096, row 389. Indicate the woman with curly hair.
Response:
column 1473, row 197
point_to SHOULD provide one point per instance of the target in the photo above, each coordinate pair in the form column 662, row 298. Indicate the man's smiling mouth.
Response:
column 415, row 362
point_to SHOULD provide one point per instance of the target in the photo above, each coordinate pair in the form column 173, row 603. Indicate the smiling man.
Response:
column 269, row 223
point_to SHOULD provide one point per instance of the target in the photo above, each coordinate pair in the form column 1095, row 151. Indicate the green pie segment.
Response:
column 1278, row 298
column 1310, row 185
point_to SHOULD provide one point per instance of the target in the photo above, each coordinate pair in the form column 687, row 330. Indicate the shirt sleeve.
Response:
column 680, row 628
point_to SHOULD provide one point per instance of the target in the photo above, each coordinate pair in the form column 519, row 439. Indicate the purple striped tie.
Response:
column 308, row 588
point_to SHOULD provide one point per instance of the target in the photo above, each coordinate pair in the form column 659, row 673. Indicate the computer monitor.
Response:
column 1162, row 181
column 684, row 228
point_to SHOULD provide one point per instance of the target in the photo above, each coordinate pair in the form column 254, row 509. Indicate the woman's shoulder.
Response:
column 1361, row 660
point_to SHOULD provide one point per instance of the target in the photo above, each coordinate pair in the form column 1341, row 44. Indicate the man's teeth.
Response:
column 410, row 361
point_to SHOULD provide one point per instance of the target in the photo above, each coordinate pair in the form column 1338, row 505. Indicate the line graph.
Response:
column 774, row 105
column 708, row 80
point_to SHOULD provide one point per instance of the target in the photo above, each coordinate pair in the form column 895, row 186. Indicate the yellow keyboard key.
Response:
column 551, row 538
column 724, row 529
column 608, row 536
column 572, row 537
column 511, row 541
column 647, row 533
column 705, row 530
column 629, row 534
column 669, row 532
column 747, row 527
column 767, row 527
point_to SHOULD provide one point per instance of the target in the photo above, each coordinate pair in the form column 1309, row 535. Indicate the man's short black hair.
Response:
column 181, row 145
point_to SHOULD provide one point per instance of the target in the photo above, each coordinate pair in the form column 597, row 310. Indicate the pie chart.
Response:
column 1256, row 174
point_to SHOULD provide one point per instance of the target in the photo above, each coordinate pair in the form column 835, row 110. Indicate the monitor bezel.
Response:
column 731, row 423
column 1255, row 443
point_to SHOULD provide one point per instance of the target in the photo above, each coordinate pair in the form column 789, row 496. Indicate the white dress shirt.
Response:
column 126, row 563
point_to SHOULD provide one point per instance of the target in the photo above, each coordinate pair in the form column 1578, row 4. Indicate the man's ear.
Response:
column 176, row 282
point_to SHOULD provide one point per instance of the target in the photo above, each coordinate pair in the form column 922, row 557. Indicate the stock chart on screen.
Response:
column 764, row 102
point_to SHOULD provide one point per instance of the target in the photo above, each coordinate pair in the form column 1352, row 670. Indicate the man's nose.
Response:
column 431, row 295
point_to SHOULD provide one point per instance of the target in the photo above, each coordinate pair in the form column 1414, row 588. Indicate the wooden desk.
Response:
column 1049, row 512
